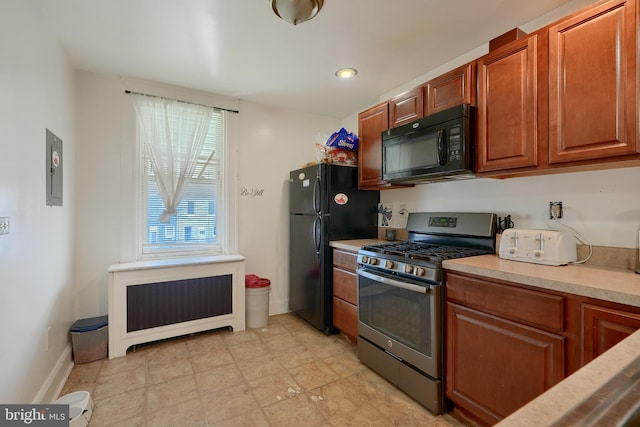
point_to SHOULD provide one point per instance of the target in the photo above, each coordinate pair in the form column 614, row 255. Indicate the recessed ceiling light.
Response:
column 346, row 73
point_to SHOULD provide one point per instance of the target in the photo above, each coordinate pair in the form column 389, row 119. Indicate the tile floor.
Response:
column 286, row 374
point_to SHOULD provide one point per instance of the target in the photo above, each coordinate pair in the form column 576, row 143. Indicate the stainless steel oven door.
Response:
column 403, row 317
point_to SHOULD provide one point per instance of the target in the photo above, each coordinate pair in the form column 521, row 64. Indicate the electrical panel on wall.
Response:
column 54, row 170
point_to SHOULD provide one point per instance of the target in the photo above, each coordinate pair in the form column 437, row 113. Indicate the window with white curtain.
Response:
column 182, row 183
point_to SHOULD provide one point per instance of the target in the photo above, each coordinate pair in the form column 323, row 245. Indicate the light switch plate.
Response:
column 54, row 166
column 4, row 225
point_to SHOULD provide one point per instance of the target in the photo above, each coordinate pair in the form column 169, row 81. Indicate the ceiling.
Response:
column 239, row 48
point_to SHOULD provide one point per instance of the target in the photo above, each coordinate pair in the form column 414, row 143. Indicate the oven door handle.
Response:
column 393, row 282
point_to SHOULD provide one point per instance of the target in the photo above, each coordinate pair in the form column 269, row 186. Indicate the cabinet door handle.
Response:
column 395, row 283
column 442, row 148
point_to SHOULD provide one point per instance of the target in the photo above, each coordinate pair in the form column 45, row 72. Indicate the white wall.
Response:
column 99, row 134
column 270, row 143
column 603, row 206
column 36, row 285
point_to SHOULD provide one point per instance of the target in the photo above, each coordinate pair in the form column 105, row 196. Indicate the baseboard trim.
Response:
column 52, row 387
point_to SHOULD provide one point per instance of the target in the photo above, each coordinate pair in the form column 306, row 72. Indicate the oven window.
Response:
column 400, row 314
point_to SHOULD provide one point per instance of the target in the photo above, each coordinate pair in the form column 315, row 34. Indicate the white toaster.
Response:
column 547, row 247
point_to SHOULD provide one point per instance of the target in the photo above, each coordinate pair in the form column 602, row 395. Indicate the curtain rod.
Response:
column 179, row 100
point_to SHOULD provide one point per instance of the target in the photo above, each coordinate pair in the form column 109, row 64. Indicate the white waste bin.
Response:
column 257, row 301
column 80, row 407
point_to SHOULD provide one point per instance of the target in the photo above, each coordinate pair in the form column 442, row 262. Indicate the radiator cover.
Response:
column 167, row 293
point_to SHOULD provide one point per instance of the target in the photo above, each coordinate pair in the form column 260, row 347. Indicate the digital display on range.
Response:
column 443, row 221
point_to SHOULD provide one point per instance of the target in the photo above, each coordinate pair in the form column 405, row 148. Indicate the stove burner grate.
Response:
column 423, row 251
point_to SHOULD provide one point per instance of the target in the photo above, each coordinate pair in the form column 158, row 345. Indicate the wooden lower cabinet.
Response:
column 507, row 343
column 604, row 327
column 345, row 293
column 345, row 317
column 495, row 364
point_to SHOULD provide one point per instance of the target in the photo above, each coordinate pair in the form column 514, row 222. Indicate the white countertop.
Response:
column 615, row 285
column 355, row 245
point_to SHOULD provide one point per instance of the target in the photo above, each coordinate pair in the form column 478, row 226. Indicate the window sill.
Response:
column 174, row 262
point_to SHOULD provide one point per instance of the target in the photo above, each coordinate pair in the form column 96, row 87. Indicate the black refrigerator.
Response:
column 324, row 205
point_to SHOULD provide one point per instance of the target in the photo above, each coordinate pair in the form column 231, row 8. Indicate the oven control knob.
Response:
column 373, row 261
column 408, row 269
column 364, row 259
column 389, row 343
column 419, row 271
column 389, row 264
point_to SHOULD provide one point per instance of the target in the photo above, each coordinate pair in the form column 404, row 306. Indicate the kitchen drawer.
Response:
column 345, row 317
column 512, row 302
column 345, row 260
column 345, row 285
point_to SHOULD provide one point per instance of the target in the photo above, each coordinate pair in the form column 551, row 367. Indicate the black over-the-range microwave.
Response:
column 433, row 148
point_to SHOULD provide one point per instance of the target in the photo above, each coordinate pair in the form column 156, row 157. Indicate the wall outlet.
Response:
column 402, row 214
column 4, row 225
column 48, row 337
column 555, row 210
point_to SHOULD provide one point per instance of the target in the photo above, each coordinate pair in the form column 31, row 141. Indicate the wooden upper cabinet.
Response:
column 592, row 77
column 450, row 89
column 507, row 135
column 406, row 107
column 371, row 124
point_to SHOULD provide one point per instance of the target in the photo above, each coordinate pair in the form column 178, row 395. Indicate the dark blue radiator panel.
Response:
column 165, row 303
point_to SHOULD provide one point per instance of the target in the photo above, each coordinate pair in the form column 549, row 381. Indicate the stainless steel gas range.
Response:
column 401, row 299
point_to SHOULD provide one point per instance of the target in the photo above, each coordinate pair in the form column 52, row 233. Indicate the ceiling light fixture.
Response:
column 296, row 11
column 346, row 73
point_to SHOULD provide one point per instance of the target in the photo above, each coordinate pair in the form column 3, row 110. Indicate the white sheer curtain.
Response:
column 174, row 133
